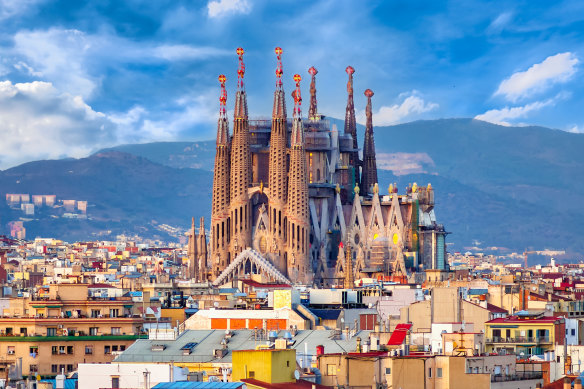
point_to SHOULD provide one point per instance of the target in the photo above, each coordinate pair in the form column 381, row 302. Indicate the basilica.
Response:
column 295, row 201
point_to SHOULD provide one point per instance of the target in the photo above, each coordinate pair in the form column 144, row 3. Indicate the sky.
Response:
column 77, row 76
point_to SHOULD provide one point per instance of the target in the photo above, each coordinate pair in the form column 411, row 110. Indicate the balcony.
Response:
column 518, row 376
column 520, row 339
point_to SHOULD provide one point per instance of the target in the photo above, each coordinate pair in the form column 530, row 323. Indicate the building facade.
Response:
column 291, row 198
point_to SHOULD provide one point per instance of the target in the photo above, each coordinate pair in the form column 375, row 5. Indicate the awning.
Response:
column 399, row 334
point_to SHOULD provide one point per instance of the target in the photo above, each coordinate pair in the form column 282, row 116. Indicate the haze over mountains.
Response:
column 511, row 187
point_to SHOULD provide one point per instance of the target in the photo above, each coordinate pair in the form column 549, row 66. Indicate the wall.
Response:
column 96, row 376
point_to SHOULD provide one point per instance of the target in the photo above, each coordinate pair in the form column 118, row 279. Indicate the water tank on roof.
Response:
column 287, row 335
column 273, row 336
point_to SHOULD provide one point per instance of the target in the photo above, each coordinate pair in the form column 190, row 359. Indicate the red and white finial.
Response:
column 241, row 69
column 312, row 71
column 350, row 70
column 297, row 97
column 279, row 70
column 223, row 96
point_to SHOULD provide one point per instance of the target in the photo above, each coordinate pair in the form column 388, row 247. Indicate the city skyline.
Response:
column 78, row 77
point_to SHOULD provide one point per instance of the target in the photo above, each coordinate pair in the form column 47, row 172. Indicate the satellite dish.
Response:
column 296, row 374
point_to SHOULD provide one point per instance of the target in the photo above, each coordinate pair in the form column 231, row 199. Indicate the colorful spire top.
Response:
column 350, row 72
column 241, row 69
column 222, row 97
column 297, row 97
column 279, row 70
column 312, row 111
column 369, row 93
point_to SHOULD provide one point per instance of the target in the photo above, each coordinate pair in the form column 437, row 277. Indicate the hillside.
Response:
column 512, row 187
column 125, row 194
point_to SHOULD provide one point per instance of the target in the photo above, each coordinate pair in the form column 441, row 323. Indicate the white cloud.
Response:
column 393, row 114
column 76, row 62
column 37, row 121
column 539, row 77
column 219, row 8
column 181, row 52
column 576, row 129
column 503, row 115
column 500, row 22
column 11, row 8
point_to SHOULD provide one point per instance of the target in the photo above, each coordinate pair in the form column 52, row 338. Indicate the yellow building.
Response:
column 49, row 355
column 524, row 334
column 271, row 366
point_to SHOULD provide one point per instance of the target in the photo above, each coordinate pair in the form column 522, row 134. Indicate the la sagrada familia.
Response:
column 293, row 201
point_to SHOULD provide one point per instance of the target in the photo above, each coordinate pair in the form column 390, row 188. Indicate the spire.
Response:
column 312, row 111
column 298, row 223
column 349, row 281
column 222, row 124
column 369, row 176
column 297, row 127
column 240, row 96
column 351, row 124
column 220, row 197
column 240, row 171
column 279, row 110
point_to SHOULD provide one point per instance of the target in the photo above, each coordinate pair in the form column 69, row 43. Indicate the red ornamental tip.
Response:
column 222, row 79
column 312, row 71
column 278, row 51
column 341, row 245
column 279, row 72
column 240, row 51
column 350, row 70
column 297, row 79
column 369, row 93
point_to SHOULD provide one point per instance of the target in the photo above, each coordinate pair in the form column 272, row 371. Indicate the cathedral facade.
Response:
column 293, row 200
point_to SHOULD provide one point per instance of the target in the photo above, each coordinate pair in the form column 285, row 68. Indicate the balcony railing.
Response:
column 520, row 339
column 518, row 376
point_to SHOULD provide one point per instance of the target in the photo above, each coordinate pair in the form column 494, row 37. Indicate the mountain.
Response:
column 510, row 187
column 125, row 194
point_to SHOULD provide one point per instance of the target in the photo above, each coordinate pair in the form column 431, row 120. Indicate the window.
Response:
column 388, row 370
column 114, row 348
column 95, row 313
column 33, row 351
column 114, row 312
column 54, row 369
column 115, row 382
column 62, row 350
column 70, row 350
column 331, row 369
column 70, row 368
column 51, row 331
column 107, row 349
column 251, row 374
column 287, row 363
column 122, row 347
column 23, row 331
column 93, row 331
column 61, row 368
column 88, row 350
column 9, row 331
column 116, row 330
column 573, row 332
column 439, row 372
column 430, row 373
column 33, row 369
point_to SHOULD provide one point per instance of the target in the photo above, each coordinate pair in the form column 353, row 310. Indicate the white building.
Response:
column 128, row 375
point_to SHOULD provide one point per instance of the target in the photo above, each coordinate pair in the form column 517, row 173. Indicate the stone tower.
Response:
column 240, row 172
column 369, row 175
column 278, row 170
column 197, row 252
column 351, row 125
column 221, row 198
column 298, row 227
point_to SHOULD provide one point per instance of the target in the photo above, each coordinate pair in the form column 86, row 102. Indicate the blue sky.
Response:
column 77, row 76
